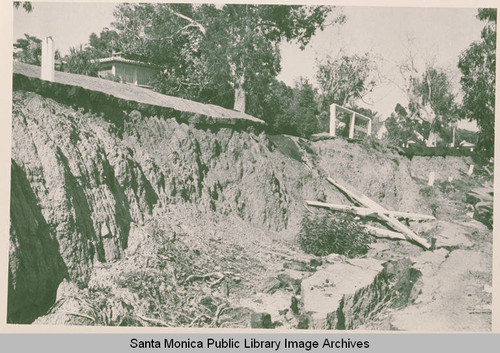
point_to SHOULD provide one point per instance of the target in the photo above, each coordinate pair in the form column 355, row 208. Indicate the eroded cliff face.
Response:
column 80, row 180
column 35, row 264
column 84, row 184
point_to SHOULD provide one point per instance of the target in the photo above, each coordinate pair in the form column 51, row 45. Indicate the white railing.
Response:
column 352, row 125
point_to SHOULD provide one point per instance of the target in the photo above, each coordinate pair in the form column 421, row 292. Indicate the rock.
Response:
column 323, row 291
column 272, row 304
column 452, row 235
column 271, row 285
column 261, row 320
column 447, row 294
column 298, row 266
column 345, row 295
column 334, row 258
column 379, row 247
column 282, row 281
column 66, row 289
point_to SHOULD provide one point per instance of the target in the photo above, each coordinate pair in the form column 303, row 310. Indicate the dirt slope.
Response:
column 145, row 213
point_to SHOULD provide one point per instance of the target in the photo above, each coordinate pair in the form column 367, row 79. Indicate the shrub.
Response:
column 339, row 233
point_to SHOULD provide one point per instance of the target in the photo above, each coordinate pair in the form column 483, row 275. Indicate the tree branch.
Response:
column 191, row 21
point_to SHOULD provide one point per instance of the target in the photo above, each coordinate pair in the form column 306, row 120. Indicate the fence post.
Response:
column 47, row 59
column 332, row 119
column 351, row 126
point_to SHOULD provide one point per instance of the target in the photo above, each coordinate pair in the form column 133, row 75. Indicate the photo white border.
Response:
column 6, row 50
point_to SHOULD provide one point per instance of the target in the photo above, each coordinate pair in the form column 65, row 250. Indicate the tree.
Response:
column 431, row 110
column 477, row 65
column 28, row 50
column 104, row 44
column 166, row 35
column 210, row 49
column 26, row 5
column 292, row 111
column 275, row 102
column 402, row 128
column 345, row 79
column 81, row 61
column 303, row 110
column 248, row 37
column 433, row 102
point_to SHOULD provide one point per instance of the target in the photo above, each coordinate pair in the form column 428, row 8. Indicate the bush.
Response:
column 339, row 233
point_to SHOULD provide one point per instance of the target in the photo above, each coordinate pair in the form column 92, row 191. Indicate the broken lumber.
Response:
column 393, row 222
column 384, row 233
column 362, row 211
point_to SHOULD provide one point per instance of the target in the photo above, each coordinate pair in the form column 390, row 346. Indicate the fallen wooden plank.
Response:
column 363, row 211
column 384, row 233
column 393, row 222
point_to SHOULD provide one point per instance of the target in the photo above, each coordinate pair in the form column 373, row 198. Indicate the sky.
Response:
column 438, row 35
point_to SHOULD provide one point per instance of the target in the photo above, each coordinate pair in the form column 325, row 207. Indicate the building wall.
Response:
column 134, row 74
column 145, row 74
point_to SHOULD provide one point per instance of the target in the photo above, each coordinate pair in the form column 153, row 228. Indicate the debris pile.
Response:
column 372, row 209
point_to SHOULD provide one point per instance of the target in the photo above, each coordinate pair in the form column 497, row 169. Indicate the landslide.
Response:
column 90, row 177
column 132, row 219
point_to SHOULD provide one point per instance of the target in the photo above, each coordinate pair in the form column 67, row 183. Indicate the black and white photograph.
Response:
column 314, row 166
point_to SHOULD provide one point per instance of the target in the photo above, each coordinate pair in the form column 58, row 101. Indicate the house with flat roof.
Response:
column 125, row 70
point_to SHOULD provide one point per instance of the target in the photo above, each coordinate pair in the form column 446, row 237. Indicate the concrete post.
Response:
column 431, row 179
column 332, row 119
column 47, row 59
column 351, row 126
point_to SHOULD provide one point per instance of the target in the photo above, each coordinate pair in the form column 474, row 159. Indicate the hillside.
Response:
column 138, row 219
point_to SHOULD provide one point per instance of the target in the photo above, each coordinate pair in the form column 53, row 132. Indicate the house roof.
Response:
column 138, row 95
column 121, row 59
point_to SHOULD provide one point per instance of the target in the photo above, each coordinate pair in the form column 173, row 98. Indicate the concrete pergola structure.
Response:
column 352, row 126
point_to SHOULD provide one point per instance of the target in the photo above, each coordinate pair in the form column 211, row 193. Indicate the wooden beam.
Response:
column 393, row 222
column 384, row 233
column 362, row 211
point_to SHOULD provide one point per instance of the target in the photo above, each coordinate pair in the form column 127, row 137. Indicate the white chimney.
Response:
column 48, row 59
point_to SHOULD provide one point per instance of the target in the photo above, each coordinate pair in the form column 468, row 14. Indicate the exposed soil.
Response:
column 153, row 222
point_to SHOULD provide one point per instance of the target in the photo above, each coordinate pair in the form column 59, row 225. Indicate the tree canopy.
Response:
column 345, row 79
column 28, row 50
column 433, row 102
column 26, row 5
column 216, row 54
column 477, row 65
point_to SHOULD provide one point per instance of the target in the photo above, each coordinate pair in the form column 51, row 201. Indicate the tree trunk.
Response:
column 239, row 99
column 430, row 116
column 432, row 139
